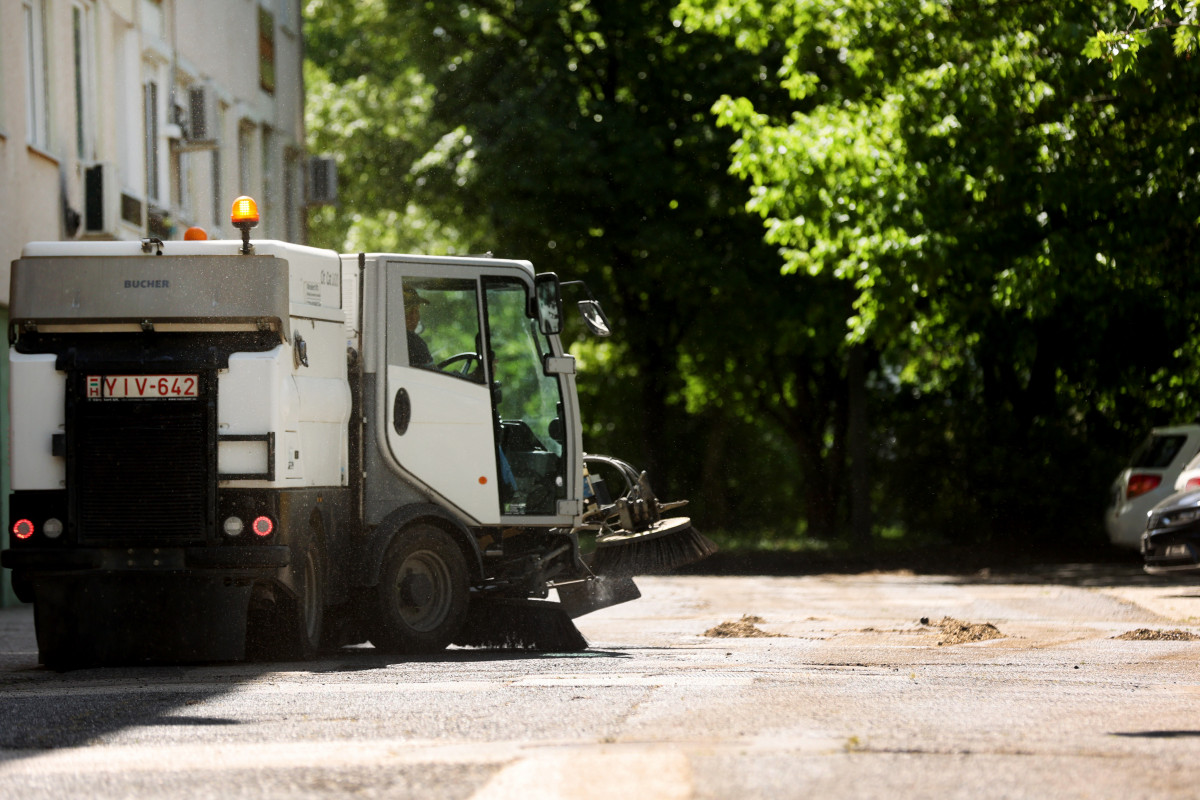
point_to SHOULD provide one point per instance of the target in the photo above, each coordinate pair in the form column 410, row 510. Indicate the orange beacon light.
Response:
column 244, row 216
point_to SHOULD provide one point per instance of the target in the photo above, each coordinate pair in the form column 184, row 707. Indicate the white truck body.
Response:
column 164, row 395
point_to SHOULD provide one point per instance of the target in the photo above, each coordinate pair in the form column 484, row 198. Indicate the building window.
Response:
column 151, row 117
column 245, row 153
column 37, row 121
column 181, row 181
column 81, row 39
column 291, row 190
column 218, row 202
column 266, row 50
column 218, row 199
column 267, row 206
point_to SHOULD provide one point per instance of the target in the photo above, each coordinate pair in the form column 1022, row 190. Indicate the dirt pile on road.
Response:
column 744, row 628
column 955, row 631
column 1147, row 635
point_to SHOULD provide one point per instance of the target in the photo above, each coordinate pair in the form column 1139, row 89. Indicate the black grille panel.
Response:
column 142, row 471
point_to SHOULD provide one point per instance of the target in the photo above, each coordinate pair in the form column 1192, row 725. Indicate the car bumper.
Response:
column 1126, row 523
column 1171, row 551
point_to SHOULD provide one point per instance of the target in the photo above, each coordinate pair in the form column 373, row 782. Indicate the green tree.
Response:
column 973, row 231
column 1146, row 20
column 368, row 108
column 576, row 134
column 581, row 134
column 1013, row 227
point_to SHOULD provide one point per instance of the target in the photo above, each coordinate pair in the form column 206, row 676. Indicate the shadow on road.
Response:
column 1101, row 567
column 46, row 710
column 365, row 657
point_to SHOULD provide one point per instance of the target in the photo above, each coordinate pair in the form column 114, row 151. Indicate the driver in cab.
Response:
column 418, row 351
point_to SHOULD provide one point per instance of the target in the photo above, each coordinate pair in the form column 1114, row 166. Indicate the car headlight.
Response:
column 1174, row 519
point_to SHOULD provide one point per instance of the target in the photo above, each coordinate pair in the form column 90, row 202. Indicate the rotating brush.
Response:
column 507, row 623
column 666, row 545
column 636, row 539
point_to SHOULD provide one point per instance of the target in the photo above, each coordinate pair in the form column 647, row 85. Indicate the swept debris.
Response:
column 744, row 628
column 955, row 631
column 1147, row 635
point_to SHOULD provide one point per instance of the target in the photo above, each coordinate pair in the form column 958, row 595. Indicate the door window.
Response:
column 441, row 320
column 528, row 405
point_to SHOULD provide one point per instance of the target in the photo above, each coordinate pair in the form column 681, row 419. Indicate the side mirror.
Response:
column 549, row 303
column 594, row 317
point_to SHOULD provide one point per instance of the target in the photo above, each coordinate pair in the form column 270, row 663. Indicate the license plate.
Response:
column 1178, row 551
column 142, row 387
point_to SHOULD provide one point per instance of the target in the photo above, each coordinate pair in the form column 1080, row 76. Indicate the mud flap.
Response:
column 600, row 592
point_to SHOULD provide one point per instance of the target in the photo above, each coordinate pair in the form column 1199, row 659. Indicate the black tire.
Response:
column 423, row 593
column 308, row 616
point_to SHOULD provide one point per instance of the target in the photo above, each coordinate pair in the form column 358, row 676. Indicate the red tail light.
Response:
column 1193, row 483
column 23, row 529
column 263, row 526
column 1140, row 484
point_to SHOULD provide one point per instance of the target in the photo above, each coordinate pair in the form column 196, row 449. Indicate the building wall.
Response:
column 102, row 89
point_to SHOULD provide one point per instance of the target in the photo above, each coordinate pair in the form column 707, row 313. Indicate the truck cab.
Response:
column 474, row 404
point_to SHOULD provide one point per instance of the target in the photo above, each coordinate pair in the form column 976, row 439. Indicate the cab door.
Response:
column 437, row 402
column 537, row 430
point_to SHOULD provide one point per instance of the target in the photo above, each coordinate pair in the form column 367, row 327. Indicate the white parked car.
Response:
column 1155, row 472
column 1189, row 479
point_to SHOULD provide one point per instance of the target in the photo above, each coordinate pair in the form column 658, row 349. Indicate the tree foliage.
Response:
column 1015, row 225
column 369, row 109
column 578, row 135
column 947, row 225
column 1147, row 19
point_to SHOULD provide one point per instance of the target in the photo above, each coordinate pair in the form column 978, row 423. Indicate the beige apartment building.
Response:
column 127, row 119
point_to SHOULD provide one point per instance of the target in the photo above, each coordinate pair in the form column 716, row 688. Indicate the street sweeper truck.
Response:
column 232, row 449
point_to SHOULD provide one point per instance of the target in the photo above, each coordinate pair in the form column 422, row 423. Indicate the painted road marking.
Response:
column 629, row 771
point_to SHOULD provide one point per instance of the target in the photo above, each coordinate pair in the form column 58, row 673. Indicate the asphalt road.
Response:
column 851, row 696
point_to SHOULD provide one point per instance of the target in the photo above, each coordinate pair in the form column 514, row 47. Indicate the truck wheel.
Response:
column 309, row 619
column 422, row 598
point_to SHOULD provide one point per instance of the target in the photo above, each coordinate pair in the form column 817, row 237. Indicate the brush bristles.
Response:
column 653, row 555
column 513, row 624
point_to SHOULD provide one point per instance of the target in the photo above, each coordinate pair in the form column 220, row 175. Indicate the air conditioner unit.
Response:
column 322, row 181
column 202, row 114
column 101, row 200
